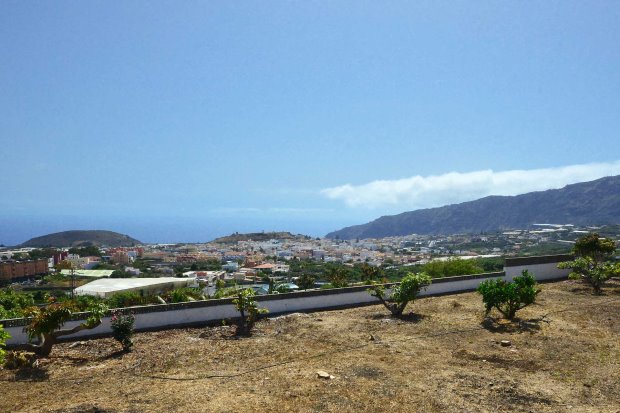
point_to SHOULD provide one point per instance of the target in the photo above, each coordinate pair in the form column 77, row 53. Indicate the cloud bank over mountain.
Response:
column 454, row 187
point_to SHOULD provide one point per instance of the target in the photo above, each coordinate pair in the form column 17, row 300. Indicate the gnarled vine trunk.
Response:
column 47, row 340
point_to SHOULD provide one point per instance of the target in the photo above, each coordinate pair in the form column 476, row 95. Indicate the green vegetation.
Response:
column 595, row 247
column 181, row 295
column 46, row 324
column 492, row 264
column 122, row 328
column 402, row 294
column 592, row 262
column 248, row 310
column 369, row 272
column 452, row 267
column 509, row 297
column 208, row 265
column 546, row 248
column 88, row 251
column 13, row 303
column 130, row 299
column 4, row 336
column 307, row 271
column 121, row 274
column 306, row 281
column 337, row 276
column 38, row 254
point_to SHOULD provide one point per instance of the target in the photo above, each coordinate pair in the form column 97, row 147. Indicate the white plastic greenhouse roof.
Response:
column 105, row 286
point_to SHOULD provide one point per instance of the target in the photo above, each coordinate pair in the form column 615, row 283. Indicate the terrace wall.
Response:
column 214, row 311
column 544, row 267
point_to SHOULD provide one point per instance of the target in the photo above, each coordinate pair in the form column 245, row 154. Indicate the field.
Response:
column 564, row 356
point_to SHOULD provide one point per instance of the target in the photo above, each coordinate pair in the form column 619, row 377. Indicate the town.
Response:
column 274, row 262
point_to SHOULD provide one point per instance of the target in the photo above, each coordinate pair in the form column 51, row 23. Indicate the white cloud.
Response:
column 436, row 190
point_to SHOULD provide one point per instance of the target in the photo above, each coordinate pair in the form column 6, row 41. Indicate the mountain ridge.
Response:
column 585, row 203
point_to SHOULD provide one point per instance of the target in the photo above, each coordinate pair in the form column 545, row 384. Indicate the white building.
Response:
column 107, row 287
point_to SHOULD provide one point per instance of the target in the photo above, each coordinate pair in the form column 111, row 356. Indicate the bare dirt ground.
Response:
column 564, row 357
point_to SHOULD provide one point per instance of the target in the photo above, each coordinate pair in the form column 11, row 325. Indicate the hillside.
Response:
column 257, row 236
column 586, row 203
column 81, row 239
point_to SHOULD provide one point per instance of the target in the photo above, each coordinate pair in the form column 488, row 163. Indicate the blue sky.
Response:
column 181, row 121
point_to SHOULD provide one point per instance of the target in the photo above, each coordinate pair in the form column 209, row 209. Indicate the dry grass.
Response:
column 564, row 357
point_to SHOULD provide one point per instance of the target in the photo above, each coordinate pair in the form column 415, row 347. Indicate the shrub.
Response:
column 122, row 328
column 592, row 263
column 247, row 307
column 509, row 297
column 46, row 323
column 4, row 336
column 406, row 291
column 591, row 271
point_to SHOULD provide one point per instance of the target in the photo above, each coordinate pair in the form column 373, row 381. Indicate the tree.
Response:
column 245, row 303
column 592, row 261
column 591, row 271
column 64, row 265
column 18, row 256
column 87, row 251
column 403, row 293
column 120, row 274
column 591, row 245
column 337, row 276
column 369, row 272
column 219, row 284
column 37, row 254
column 46, row 323
column 306, row 280
column 509, row 297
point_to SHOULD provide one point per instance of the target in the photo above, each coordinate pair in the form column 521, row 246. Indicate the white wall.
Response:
column 542, row 272
column 295, row 302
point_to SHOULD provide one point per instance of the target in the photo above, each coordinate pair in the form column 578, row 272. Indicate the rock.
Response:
column 291, row 316
column 77, row 343
column 505, row 343
column 324, row 375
